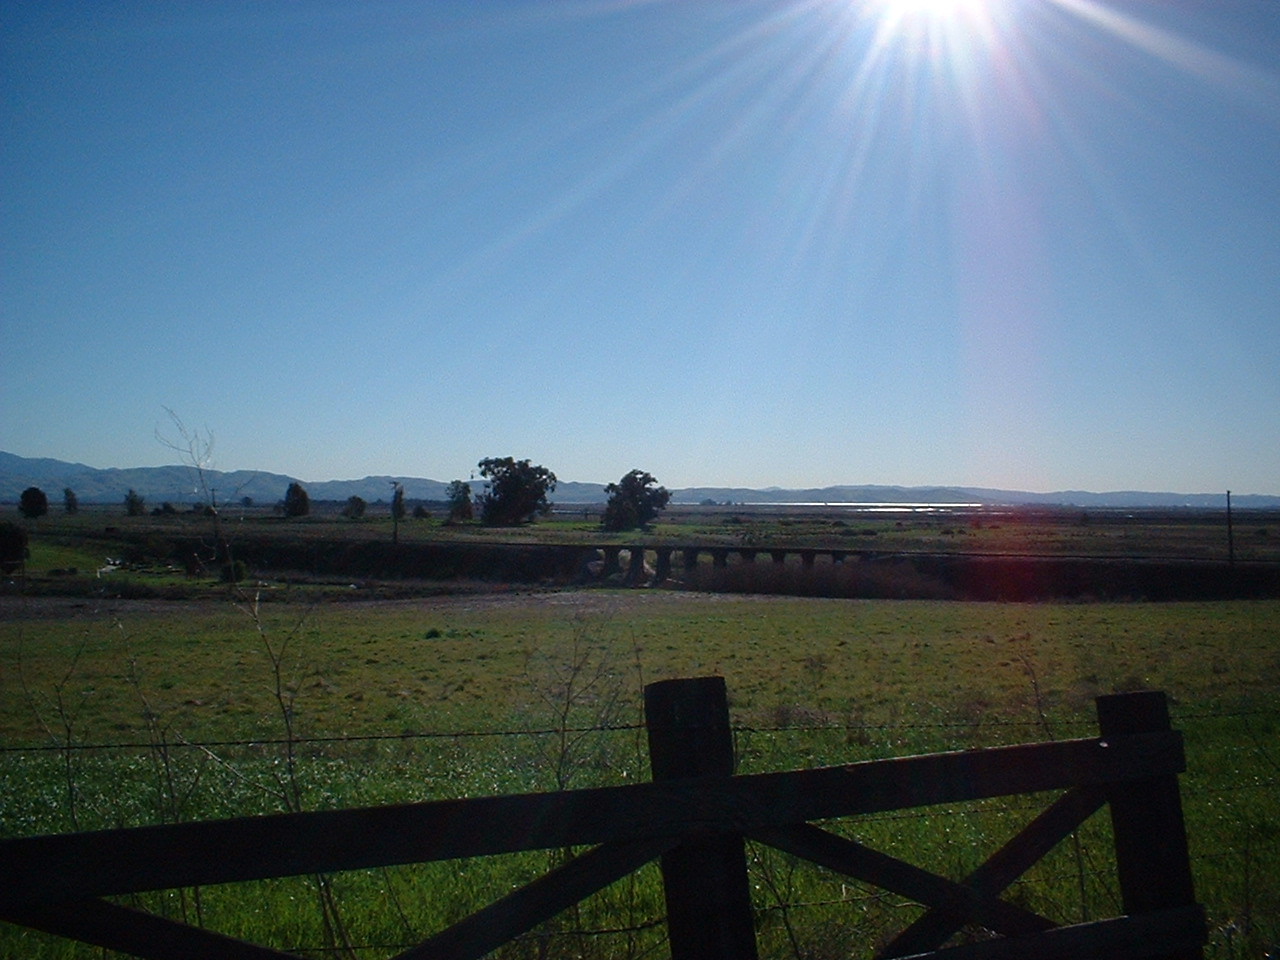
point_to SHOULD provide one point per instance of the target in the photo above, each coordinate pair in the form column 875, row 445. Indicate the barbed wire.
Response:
column 938, row 724
column 304, row 741
column 737, row 729
column 1225, row 715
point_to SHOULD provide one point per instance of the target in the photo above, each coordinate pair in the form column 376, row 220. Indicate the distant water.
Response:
column 877, row 507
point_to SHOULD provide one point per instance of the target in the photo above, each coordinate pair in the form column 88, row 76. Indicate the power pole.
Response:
column 396, row 510
column 397, row 507
column 1231, row 538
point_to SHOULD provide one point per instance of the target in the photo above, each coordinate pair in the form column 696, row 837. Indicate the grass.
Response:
column 466, row 661
column 1046, row 531
column 811, row 682
column 325, row 557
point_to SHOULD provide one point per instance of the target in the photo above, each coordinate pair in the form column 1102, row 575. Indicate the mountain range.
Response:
column 181, row 485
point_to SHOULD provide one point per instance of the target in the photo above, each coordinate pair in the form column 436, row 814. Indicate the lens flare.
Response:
column 908, row 16
column 929, row 8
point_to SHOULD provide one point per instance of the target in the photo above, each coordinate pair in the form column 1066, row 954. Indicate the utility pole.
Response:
column 1231, row 537
column 397, row 509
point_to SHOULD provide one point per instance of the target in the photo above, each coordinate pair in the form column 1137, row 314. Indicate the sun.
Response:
column 937, row 38
column 907, row 16
column 928, row 8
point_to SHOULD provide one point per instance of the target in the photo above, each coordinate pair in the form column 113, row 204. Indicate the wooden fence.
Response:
column 695, row 815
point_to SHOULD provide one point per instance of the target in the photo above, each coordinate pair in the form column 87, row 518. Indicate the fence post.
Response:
column 635, row 568
column 705, row 879
column 662, row 566
column 1152, row 861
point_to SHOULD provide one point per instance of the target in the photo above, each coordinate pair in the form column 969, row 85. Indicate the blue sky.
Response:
column 1027, row 244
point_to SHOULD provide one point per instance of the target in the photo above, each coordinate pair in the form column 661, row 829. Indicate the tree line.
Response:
column 515, row 492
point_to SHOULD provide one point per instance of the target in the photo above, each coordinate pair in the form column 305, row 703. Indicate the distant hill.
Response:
column 175, row 484
column 179, row 485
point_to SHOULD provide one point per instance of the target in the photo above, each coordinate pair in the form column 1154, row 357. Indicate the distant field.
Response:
column 1163, row 533
column 986, row 553
column 483, row 694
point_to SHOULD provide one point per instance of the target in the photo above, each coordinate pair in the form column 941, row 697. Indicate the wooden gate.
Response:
column 695, row 816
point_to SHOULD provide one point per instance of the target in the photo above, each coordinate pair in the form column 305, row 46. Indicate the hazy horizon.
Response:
column 1030, row 244
column 477, row 482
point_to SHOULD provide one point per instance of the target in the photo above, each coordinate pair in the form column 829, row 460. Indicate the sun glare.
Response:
column 939, row 42
column 959, row 26
column 931, row 8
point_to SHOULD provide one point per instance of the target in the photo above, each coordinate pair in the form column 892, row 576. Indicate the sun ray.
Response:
column 1178, row 51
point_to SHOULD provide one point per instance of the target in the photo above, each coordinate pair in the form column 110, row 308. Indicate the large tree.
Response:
column 33, row 503
column 296, row 501
column 70, row 502
column 634, row 501
column 515, row 491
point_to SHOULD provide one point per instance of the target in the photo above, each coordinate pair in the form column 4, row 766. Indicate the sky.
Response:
column 1022, row 244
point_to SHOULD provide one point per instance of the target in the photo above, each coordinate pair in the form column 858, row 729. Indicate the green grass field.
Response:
column 811, row 682
column 100, row 531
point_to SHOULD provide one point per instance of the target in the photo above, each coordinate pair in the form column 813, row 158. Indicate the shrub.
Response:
column 234, row 572
column 13, row 546
column 33, row 503
column 134, row 504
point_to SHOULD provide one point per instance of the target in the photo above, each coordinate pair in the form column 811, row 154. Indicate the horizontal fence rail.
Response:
column 694, row 816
